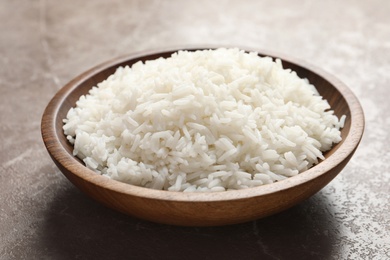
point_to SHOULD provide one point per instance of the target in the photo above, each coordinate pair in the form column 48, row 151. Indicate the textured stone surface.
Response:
column 43, row 44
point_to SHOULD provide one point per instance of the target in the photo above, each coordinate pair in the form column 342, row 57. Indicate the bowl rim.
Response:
column 54, row 147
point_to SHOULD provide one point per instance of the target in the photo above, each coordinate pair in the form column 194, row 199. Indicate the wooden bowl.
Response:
column 201, row 209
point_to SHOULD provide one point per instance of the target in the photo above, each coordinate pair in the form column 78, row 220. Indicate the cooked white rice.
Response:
column 211, row 120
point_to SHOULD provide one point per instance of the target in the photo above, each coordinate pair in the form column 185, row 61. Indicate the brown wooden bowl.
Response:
column 201, row 209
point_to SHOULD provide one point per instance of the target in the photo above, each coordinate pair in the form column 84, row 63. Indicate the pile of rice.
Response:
column 211, row 120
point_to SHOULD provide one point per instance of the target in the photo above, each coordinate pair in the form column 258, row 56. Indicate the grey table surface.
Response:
column 44, row 44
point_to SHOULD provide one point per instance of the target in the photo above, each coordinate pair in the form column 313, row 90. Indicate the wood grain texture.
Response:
column 202, row 209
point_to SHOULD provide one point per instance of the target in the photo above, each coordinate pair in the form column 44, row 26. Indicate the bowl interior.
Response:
column 91, row 78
